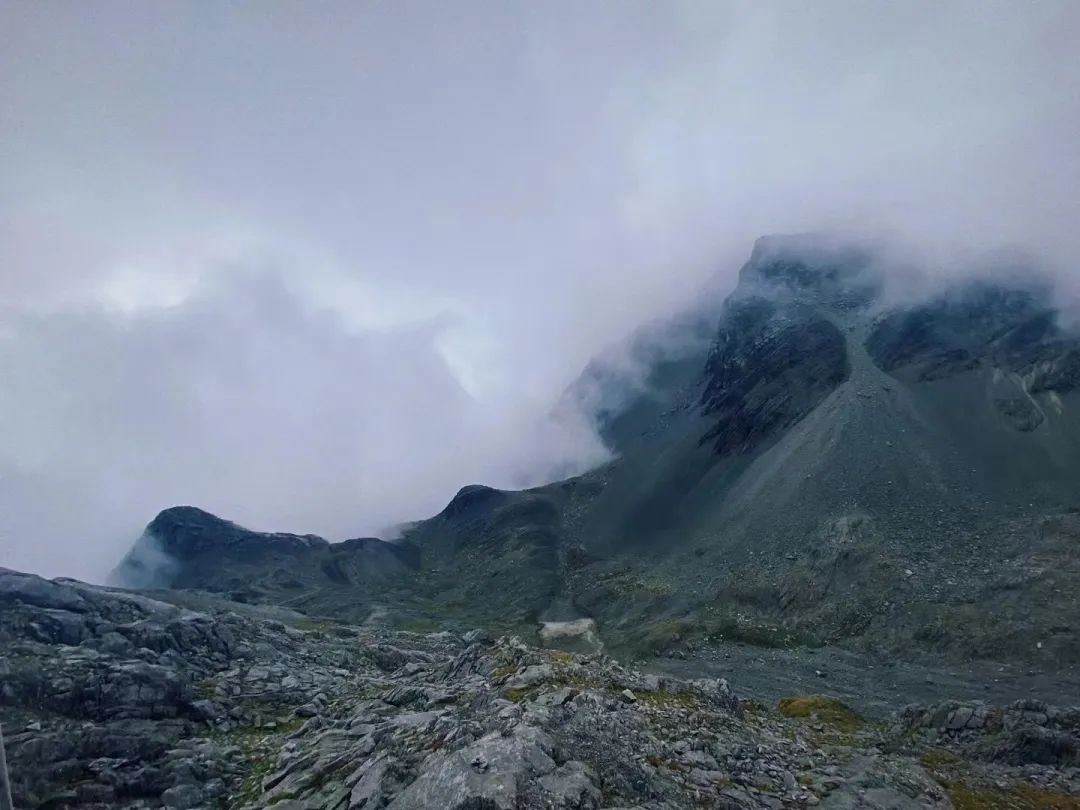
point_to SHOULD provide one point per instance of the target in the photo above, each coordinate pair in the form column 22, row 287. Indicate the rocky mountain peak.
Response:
column 813, row 268
column 470, row 498
column 183, row 531
column 185, row 546
column 1013, row 329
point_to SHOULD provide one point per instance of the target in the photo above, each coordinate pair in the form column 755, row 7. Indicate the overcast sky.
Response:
column 314, row 266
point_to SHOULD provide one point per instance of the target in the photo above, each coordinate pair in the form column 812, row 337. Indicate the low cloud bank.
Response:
column 314, row 270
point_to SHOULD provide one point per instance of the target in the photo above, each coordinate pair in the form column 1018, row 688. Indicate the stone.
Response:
column 486, row 773
column 477, row 636
column 572, row 786
column 559, row 697
column 207, row 696
column 367, row 791
column 34, row 590
column 959, row 718
column 183, row 797
column 530, row 676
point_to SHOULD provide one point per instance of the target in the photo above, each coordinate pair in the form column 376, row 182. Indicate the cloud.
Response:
column 314, row 270
column 947, row 127
column 246, row 402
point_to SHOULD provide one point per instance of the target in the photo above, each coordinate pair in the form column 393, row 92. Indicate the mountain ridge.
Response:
column 823, row 469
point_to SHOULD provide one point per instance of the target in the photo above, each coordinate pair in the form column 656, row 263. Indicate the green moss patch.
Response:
column 1020, row 796
column 937, row 758
column 665, row 699
column 967, row 793
column 824, row 709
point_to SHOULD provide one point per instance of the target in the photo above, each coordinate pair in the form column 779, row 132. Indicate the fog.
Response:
column 313, row 267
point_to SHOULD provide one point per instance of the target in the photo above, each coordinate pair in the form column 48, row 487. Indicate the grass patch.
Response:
column 559, row 657
column 309, row 624
column 660, row 762
column 421, row 625
column 504, row 671
column 947, row 769
column 937, row 758
column 260, row 764
column 825, row 709
column 1020, row 796
column 250, row 735
column 627, row 584
column 752, row 707
column 665, row 699
column 1042, row 799
column 290, row 725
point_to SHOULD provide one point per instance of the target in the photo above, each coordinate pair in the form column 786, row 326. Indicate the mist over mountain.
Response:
column 805, row 461
column 315, row 283
column 540, row 406
column 810, row 484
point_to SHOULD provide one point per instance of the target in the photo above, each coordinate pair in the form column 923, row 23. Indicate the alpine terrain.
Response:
column 832, row 562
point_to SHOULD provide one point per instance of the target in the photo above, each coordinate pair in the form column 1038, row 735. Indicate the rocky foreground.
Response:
column 115, row 699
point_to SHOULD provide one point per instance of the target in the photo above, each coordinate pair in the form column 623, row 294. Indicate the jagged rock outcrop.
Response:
column 768, row 368
column 212, row 704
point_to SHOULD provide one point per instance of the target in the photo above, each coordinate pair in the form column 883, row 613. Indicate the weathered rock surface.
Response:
column 112, row 699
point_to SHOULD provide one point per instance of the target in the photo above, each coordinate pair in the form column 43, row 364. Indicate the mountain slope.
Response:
column 821, row 468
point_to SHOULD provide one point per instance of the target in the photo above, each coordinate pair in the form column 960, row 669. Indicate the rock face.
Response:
column 767, row 369
column 111, row 699
column 980, row 325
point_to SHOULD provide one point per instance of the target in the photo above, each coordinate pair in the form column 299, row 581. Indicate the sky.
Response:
column 314, row 267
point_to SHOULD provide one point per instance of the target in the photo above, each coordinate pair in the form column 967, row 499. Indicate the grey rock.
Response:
column 112, row 643
column 423, row 723
column 559, row 697
column 367, row 784
column 42, row 593
column 183, row 797
column 530, row 676
column 959, row 718
column 572, row 786
column 485, row 774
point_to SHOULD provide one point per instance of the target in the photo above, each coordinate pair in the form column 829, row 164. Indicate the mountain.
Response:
column 805, row 463
column 814, row 487
column 186, row 547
